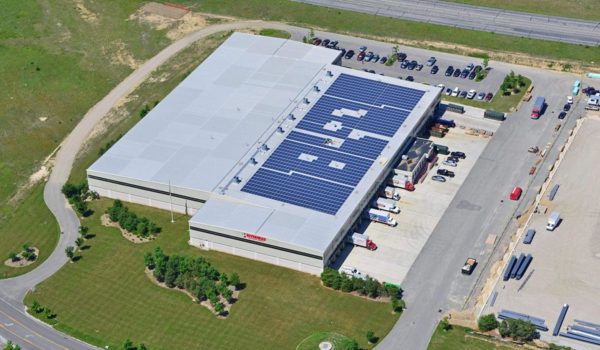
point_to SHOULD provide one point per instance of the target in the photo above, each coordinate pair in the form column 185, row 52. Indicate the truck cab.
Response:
column 469, row 266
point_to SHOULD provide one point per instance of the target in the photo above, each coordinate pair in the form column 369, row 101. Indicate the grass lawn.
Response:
column 371, row 25
column 460, row 338
column 277, row 33
column 498, row 103
column 105, row 298
column 586, row 9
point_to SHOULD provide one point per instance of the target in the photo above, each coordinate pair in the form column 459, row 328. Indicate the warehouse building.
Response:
column 272, row 147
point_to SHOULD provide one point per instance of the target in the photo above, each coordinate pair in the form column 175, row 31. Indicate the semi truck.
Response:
column 401, row 182
column 361, row 240
column 538, row 107
column 381, row 216
column 386, row 204
column 391, row 193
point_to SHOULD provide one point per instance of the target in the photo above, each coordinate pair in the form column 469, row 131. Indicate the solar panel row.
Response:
column 307, row 171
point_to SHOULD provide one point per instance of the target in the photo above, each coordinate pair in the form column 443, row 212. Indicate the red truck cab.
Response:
column 516, row 193
column 371, row 245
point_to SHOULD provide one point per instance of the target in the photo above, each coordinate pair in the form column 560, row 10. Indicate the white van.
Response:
column 553, row 221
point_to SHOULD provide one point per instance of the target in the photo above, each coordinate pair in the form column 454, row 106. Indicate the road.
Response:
column 15, row 324
column 486, row 19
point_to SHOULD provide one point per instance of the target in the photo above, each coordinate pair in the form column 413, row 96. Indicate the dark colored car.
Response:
column 401, row 56
column 412, row 65
column 332, row 44
column 463, row 94
column 456, row 72
column 371, row 71
column 478, row 69
column 419, row 67
column 434, row 69
column 445, row 172
column 410, row 78
column 325, row 42
column 562, row 115
column 464, row 73
column 489, row 96
column 458, row 154
column 472, row 75
column 317, row 41
column 452, row 159
column 361, row 56
column 383, row 60
column 349, row 54
column 566, row 107
column 369, row 56
column 343, row 51
column 375, row 58
column 449, row 71
column 404, row 64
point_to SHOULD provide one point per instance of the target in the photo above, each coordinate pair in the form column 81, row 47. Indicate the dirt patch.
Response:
column 128, row 235
column 204, row 303
column 39, row 175
column 85, row 13
column 118, row 54
column 178, row 22
column 22, row 262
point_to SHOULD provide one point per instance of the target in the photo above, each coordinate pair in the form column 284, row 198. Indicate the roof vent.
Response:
column 329, row 73
column 404, row 157
column 237, row 179
column 280, row 130
column 253, row 161
column 264, row 147
column 291, row 116
column 305, row 100
column 316, row 88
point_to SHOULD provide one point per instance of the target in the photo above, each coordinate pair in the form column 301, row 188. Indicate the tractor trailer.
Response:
column 538, row 107
column 381, row 216
column 386, row 204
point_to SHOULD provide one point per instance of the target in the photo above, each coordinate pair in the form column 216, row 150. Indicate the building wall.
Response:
column 269, row 251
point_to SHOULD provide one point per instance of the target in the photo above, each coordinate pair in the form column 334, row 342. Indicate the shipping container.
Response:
column 491, row 114
column 529, row 236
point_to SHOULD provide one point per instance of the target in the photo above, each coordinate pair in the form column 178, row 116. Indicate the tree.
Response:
column 398, row 305
column 521, row 330
column 11, row 346
column 347, row 285
column 371, row 337
column 219, row 308
column 35, row 306
column 487, row 322
column 49, row 314
column 445, row 324
column 26, row 247
column 128, row 345
column 228, row 295
column 13, row 257
column 142, row 347
column 503, row 329
column 83, row 231
column 79, row 242
column 70, row 251
column 149, row 260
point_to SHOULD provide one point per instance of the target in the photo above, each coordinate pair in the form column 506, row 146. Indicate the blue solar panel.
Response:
column 308, row 169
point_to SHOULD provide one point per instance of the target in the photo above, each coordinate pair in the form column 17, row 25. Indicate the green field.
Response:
column 106, row 297
column 498, row 103
column 370, row 25
column 461, row 338
column 52, row 73
column 276, row 33
column 586, row 9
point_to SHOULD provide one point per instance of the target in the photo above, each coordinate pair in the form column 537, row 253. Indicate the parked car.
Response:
column 471, row 94
column 410, row 78
column 317, row 41
column 401, row 56
column 516, row 193
column 438, row 178
column 478, row 68
column 362, row 49
column 452, row 159
column 470, row 66
column 481, row 95
column 448, row 92
column 449, row 163
column 456, row 73
column 441, row 86
column 489, row 96
column 332, row 44
column 349, row 54
column 434, row 69
column 458, row 154
column 566, row 107
column 383, row 60
column 375, row 58
column 464, row 73
column 431, row 61
column 455, row 92
column 369, row 56
column 361, row 56
column 570, row 99
column 419, row 67
column 463, row 94
column 445, row 172
column 472, row 75
column 325, row 42
column 449, row 71
column 404, row 64
column 412, row 65
column 562, row 115
column 371, row 71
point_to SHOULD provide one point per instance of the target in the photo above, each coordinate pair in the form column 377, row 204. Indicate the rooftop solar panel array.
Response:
column 326, row 155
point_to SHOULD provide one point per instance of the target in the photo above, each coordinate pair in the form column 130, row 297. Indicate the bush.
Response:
column 517, row 329
column 77, row 195
column 371, row 337
column 398, row 305
column 139, row 226
column 553, row 346
column 487, row 322
column 13, row 257
column 445, row 324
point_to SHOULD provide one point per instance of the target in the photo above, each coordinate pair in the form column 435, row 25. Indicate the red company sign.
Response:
column 254, row 237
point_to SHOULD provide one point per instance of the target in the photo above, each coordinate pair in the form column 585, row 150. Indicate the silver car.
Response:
column 450, row 163
column 438, row 178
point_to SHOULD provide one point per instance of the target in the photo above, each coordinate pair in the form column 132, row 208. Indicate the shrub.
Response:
column 517, row 329
column 77, row 195
column 140, row 226
column 445, row 324
column 13, row 257
column 487, row 322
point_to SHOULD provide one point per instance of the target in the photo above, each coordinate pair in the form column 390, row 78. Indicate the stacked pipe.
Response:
column 516, row 267
column 539, row 323
column 585, row 331
column 561, row 318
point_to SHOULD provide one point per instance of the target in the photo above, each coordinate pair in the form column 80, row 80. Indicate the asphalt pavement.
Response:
column 486, row 19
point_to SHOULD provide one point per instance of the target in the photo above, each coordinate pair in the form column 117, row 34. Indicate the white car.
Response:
column 449, row 163
column 448, row 92
column 353, row 271
column 471, row 94
column 455, row 92
column 570, row 99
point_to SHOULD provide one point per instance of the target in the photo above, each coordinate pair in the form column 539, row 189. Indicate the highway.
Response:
column 486, row 19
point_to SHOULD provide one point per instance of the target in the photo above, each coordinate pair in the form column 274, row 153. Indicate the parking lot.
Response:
column 490, row 84
column 566, row 261
column 420, row 211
